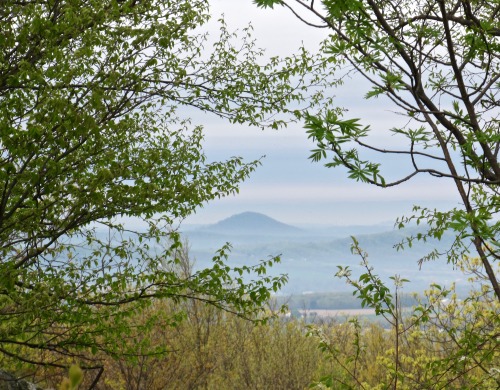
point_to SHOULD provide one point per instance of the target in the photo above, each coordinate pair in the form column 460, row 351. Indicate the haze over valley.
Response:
column 310, row 256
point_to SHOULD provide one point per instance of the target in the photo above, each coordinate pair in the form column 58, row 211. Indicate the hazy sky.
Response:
column 288, row 186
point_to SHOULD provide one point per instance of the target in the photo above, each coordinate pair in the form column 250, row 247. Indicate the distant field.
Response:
column 337, row 313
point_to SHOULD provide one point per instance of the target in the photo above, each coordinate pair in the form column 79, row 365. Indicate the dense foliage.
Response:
column 209, row 349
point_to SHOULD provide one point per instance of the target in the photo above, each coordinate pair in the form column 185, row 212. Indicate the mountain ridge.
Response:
column 250, row 222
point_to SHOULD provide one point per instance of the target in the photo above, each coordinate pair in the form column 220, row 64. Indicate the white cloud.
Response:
column 288, row 187
column 277, row 30
column 415, row 192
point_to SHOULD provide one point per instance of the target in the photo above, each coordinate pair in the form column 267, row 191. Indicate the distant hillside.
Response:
column 251, row 223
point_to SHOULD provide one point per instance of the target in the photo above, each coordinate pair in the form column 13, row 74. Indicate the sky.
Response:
column 288, row 186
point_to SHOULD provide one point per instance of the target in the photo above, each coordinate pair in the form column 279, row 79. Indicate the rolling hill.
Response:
column 310, row 256
column 251, row 223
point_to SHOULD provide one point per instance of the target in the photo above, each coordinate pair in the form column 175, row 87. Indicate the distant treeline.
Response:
column 333, row 301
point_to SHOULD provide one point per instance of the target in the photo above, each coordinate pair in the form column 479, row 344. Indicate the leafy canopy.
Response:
column 90, row 137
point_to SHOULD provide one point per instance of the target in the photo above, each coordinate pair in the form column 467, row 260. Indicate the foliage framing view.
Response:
column 89, row 136
column 438, row 62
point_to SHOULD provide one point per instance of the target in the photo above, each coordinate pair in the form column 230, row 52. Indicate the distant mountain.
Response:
column 251, row 223
column 310, row 258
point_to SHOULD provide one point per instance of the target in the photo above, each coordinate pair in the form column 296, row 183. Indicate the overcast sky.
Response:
column 288, row 186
